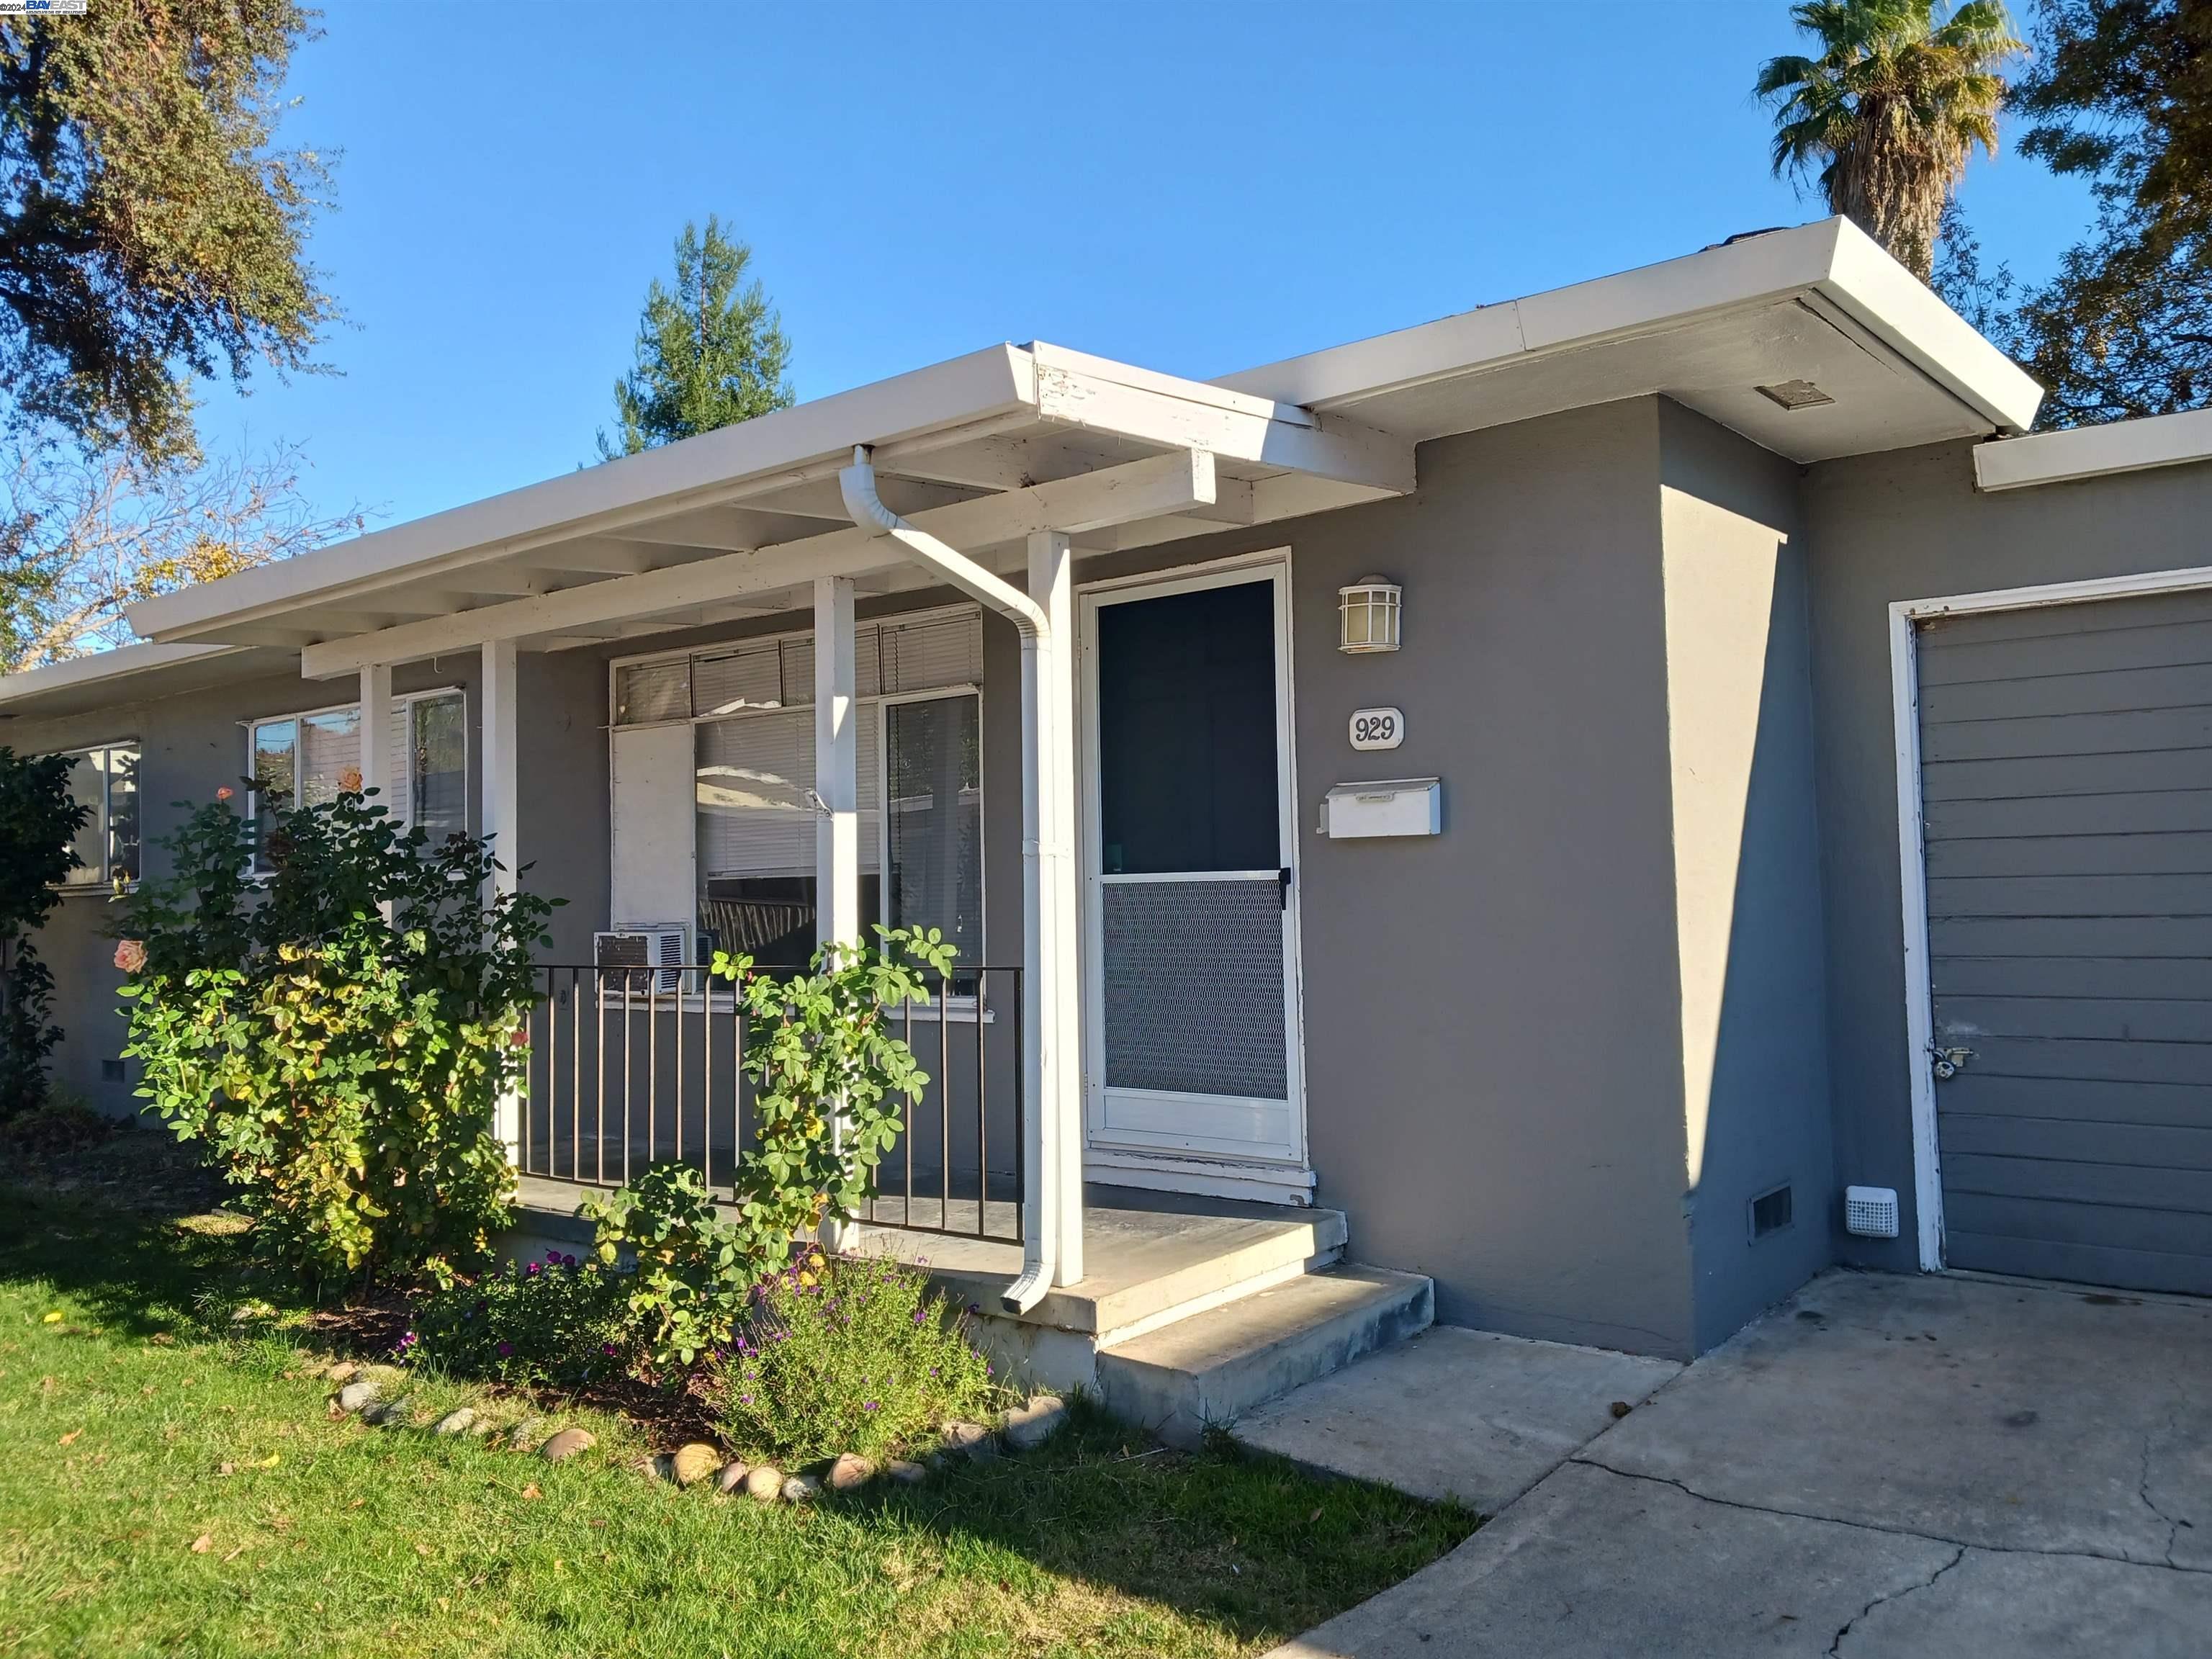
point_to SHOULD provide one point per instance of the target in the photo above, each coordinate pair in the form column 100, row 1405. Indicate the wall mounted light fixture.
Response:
column 1368, row 614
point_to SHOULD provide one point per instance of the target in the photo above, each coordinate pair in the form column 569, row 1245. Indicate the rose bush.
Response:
column 337, row 1037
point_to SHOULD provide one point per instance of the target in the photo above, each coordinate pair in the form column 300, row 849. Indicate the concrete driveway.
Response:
column 1883, row 1466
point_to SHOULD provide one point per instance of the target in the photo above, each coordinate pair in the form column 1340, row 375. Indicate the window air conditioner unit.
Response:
column 660, row 951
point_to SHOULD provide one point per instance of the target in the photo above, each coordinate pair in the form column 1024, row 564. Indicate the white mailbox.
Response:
column 1390, row 806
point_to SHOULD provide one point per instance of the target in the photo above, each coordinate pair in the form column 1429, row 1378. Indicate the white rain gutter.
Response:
column 1046, row 850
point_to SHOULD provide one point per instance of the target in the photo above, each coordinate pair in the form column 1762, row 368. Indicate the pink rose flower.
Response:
column 130, row 956
column 224, row 793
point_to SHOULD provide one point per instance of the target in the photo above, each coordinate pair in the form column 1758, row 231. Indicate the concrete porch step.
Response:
column 1143, row 1269
column 1211, row 1367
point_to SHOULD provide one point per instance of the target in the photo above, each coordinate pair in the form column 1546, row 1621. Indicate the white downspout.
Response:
column 1045, row 839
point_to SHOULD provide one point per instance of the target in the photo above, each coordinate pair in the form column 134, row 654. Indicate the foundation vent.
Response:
column 1770, row 1212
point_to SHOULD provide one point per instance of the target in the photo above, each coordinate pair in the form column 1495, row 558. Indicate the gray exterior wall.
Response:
column 1909, row 526
column 1492, row 1021
column 190, row 746
column 1747, row 858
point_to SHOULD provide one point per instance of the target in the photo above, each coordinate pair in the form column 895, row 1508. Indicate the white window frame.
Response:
column 958, row 1009
column 77, row 881
column 404, row 701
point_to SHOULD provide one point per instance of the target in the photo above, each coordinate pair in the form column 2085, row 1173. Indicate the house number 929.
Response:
column 1378, row 728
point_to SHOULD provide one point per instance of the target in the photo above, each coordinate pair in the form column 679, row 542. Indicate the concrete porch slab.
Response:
column 1456, row 1414
column 1141, row 1266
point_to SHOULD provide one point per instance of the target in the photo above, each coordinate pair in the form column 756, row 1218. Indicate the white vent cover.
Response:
column 1870, row 1211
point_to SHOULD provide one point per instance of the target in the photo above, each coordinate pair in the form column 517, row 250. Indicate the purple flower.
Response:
column 567, row 1261
column 920, row 1317
column 535, row 1268
column 868, row 1405
column 507, row 1351
column 975, row 1307
column 744, row 1400
column 608, row 1349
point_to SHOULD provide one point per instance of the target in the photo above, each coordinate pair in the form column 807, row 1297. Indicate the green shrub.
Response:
column 853, row 1354
column 558, row 1321
column 60, row 1124
column 39, row 819
column 693, row 1274
column 832, row 1084
column 343, row 1070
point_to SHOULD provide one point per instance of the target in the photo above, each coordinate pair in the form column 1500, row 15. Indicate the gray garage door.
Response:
column 2067, row 782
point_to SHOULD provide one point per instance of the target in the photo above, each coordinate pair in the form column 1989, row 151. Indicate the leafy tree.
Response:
column 39, row 820
column 84, row 536
column 1886, row 116
column 710, row 352
column 2120, row 93
column 147, row 230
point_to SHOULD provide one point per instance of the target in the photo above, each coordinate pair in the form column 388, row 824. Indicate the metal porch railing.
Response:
column 630, row 1065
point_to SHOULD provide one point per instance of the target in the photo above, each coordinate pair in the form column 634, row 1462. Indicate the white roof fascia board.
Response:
column 123, row 663
column 785, row 448
column 1904, row 314
column 2092, row 451
column 1832, row 258
column 1758, row 267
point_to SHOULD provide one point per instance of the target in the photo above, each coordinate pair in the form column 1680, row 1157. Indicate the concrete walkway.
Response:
column 1883, row 1465
column 1456, row 1414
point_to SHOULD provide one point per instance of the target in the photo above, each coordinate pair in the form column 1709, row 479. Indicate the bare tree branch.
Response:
column 84, row 537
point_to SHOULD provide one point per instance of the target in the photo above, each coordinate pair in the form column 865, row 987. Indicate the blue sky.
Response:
column 1194, row 187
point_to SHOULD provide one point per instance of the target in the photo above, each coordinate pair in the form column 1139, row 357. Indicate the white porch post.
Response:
column 499, row 813
column 1052, row 1005
column 837, row 786
column 376, row 730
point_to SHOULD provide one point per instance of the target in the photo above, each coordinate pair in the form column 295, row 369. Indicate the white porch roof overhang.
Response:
column 980, row 452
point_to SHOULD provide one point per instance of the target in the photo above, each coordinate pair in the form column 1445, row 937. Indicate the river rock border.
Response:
column 360, row 1392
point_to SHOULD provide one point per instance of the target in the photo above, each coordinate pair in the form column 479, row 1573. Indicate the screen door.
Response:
column 1191, row 1042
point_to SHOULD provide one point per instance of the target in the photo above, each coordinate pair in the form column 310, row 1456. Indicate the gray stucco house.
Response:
column 1531, row 802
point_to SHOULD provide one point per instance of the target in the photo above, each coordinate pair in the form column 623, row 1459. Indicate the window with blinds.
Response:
column 754, row 813
column 892, row 658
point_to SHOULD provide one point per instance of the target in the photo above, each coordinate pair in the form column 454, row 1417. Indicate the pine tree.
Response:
column 2120, row 94
column 710, row 352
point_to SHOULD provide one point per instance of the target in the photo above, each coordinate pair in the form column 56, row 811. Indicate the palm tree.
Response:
column 1891, row 109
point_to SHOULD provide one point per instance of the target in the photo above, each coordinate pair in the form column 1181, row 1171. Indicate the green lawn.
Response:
column 143, row 1422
